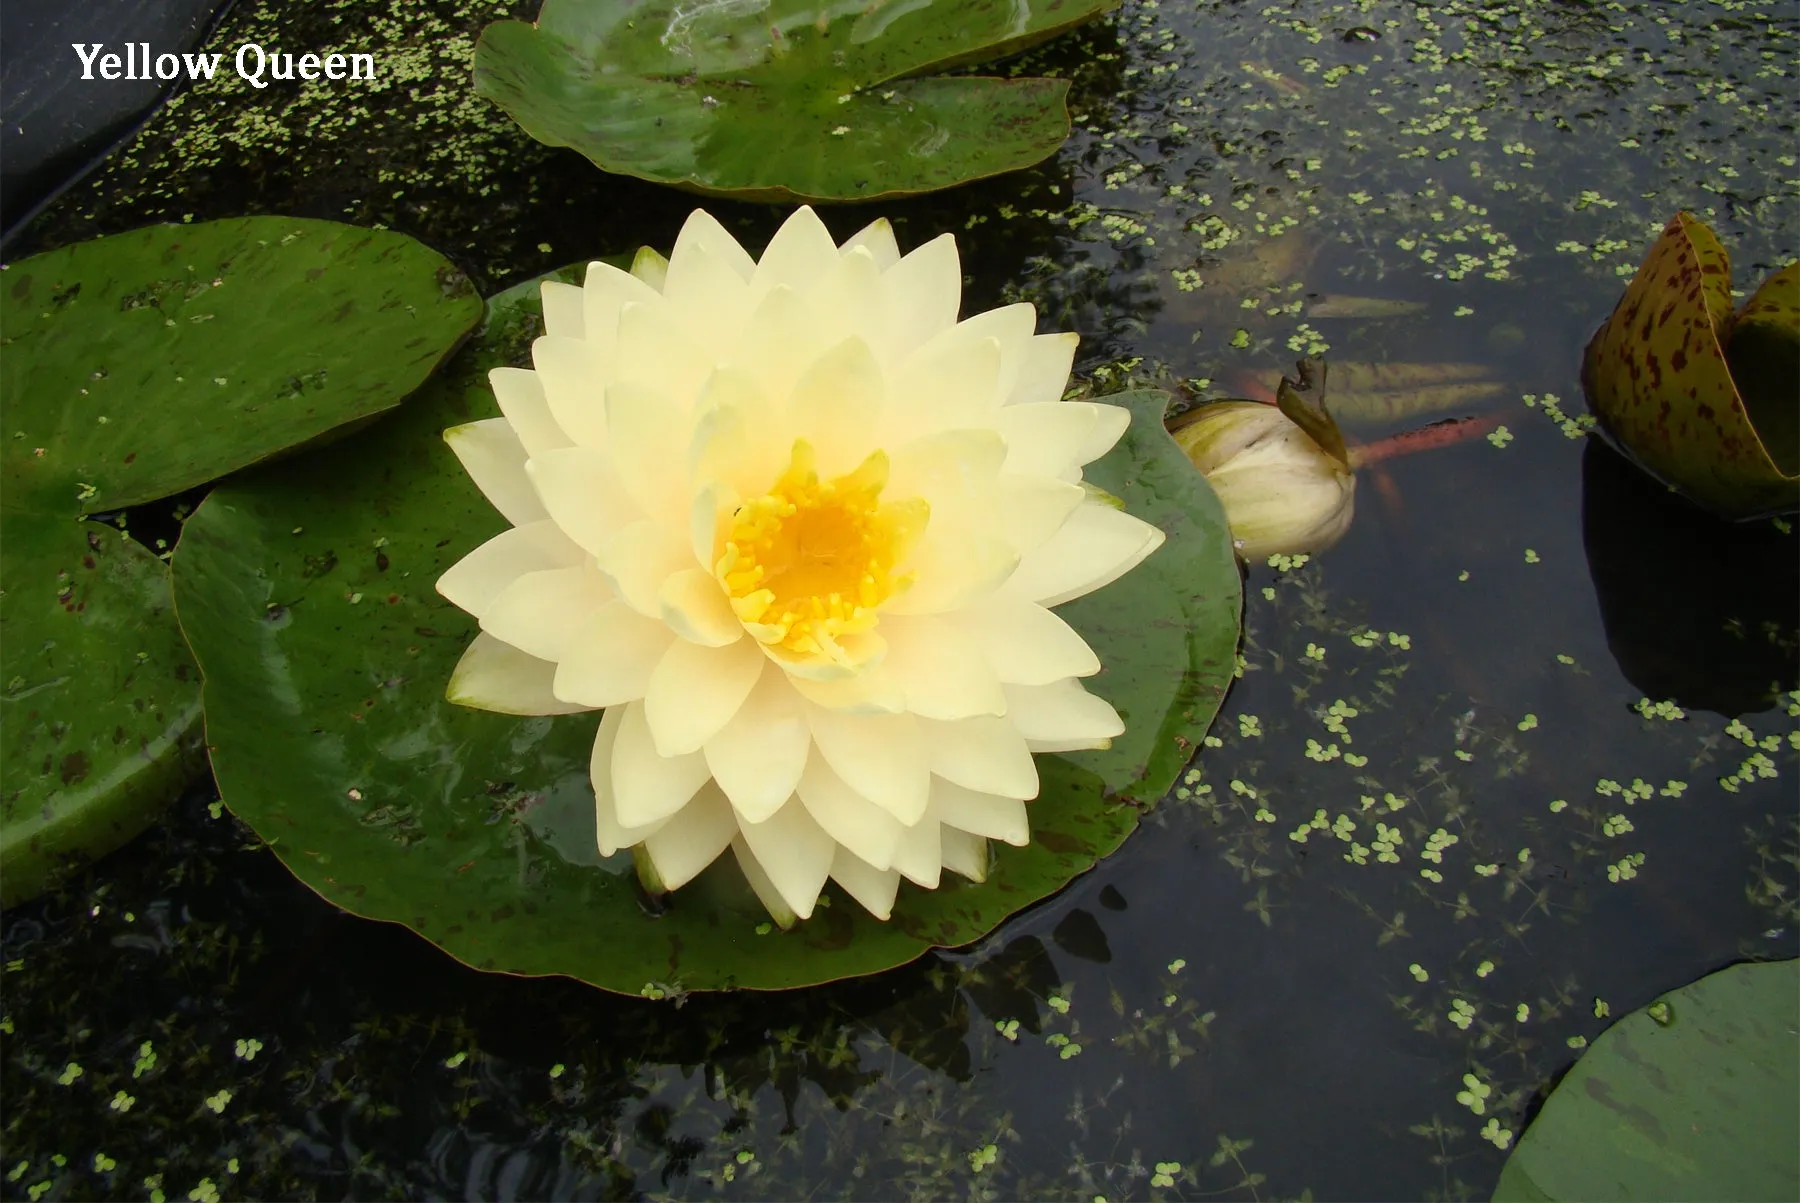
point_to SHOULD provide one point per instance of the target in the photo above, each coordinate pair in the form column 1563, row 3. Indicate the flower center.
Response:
column 808, row 562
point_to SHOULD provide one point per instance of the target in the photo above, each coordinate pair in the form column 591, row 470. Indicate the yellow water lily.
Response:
column 798, row 531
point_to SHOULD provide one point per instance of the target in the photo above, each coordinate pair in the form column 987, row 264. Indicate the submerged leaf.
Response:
column 1657, row 377
column 782, row 100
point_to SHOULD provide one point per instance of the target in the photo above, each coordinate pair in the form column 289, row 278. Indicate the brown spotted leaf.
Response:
column 1657, row 377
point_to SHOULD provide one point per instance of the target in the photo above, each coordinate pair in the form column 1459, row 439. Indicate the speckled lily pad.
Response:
column 326, row 651
column 785, row 100
column 135, row 367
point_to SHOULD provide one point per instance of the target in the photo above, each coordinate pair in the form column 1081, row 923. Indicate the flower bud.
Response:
column 1282, row 492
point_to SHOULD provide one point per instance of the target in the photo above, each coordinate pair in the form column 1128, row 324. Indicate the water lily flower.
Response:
column 1282, row 491
column 798, row 531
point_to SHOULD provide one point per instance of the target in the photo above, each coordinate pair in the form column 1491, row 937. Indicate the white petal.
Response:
column 852, row 291
column 836, row 404
column 692, row 838
column 986, row 754
column 801, row 252
column 963, row 853
column 795, row 852
column 649, row 436
column 939, row 668
column 1062, row 713
column 1044, row 374
column 740, row 437
column 849, row 818
column 696, row 690
column 610, row 660
column 574, row 388
column 878, row 238
column 879, row 756
column 874, row 889
column 1010, row 326
column 991, row 815
column 1113, row 421
column 540, row 612
column 701, row 228
column 639, row 558
column 610, row 835
column 943, row 387
column 1027, row 644
column 919, row 856
column 871, row 691
column 953, row 566
column 785, row 333
column 924, row 292
column 1095, row 547
column 657, row 350
column 521, row 397
column 564, row 310
column 950, row 469
column 706, row 289
column 1026, row 511
column 758, row 757
column 494, row 458
column 1047, row 439
column 694, row 606
column 604, row 295
column 473, row 582
column 578, row 488
column 760, row 883
column 648, row 786
column 498, row 676
column 649, row 266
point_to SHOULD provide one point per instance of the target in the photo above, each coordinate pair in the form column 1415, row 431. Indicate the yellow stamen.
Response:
column 808, row 563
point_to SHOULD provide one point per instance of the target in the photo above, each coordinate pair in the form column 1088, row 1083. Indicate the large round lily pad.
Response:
column 784, row 100
column 135, row 367
column 1696, row 1096
column 1657, row 376
column 307, row 593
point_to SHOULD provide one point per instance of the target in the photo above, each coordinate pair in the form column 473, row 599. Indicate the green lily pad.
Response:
column 135, row 367
column 783, row 100
column 1658, row 378
column 1697, row 1096
column 326, row 650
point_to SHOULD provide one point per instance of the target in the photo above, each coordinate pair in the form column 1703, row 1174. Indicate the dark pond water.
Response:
column 1567, row 686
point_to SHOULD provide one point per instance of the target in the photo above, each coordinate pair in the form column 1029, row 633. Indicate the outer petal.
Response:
column 873, row 888
column 696, row 690
column 761, row 883
column 580, row 490
column 564, row 309
column 692, row 838
column 920, row 853
column 878, row 239
column 610, row 836
column 853, row 291
column 924, row 292
column 1027, row 510
column 939, row 668
column 943, row 387
column 1050, row 438
column 649, row 432
column 521, row 397
column 1027, row 644
column 986, row 754
column 610, row 660
column 702, row 228
column 574, row 388
column 658, row 351
column 758, row 757
column 541, row 612
column 1094, row 548
column 1062, row 714
column 494, row 458
column 799, row 255
column 1044, row 374
column 647, row 786
column 879, row 756
column 497, row 676
column 794, row 852
column 605, row 294
column 963, row 853
column 1112, row 424
column 708, row 282
column 473, row 582
column 849, row 818
column 991, row 815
